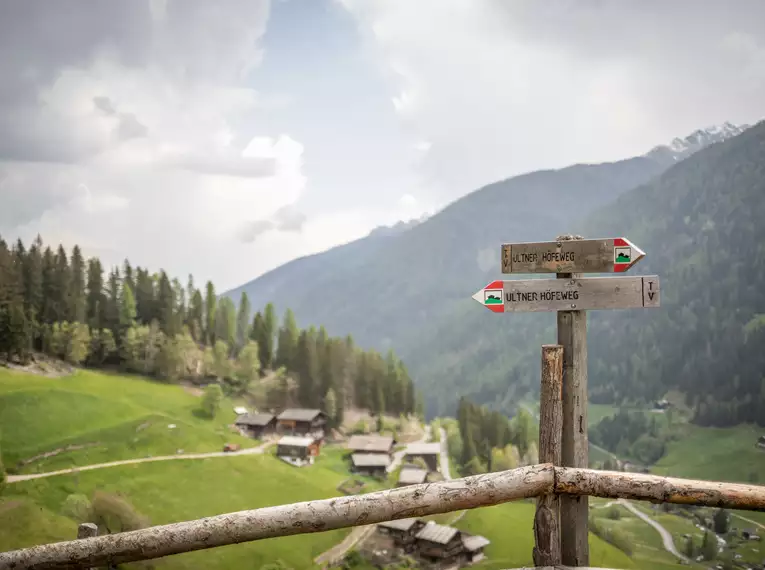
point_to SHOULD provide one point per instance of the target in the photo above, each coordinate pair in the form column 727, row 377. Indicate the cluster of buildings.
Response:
column 435, row 545
column 301, row 432
column 374, row 455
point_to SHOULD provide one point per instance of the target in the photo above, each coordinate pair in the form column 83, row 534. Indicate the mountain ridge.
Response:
column 417, row 283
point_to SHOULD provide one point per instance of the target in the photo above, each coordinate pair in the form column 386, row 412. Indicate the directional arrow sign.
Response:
column 612, row 255
column 586, row 294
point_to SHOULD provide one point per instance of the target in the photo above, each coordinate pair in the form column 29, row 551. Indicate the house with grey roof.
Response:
column 371, row 444
column 298, row 451
column 402, row 531
column 374, row 464
column 439, row 544
column 411, row 476
column 436, row 546
column 301, row 421
column 428, row 452
column 256, row 425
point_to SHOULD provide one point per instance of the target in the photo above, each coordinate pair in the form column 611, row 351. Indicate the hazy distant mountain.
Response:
column 410, row 288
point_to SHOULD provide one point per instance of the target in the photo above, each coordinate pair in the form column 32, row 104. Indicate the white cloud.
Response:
column 500, row 87
column 164, row 163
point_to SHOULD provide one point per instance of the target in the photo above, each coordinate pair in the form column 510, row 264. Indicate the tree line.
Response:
column 69, row 307
column 632, row 434
column 481, row 440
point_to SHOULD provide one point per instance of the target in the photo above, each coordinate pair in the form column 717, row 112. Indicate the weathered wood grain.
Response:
column 581, row 294
column 563, row 256
column 572, row 336
column 419, row 500
column 657, row 489
column 285, row 520
column 87, row 530
column 547, row 519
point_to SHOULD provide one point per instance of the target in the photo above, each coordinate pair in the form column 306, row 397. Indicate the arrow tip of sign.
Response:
column 637, row 255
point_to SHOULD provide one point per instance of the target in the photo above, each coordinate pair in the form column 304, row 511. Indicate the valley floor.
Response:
column 136, row 454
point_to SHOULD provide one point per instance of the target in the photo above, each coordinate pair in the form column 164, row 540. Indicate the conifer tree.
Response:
column 196, row 316
column 225, row 322
column 211, row 305
column 128, row 275
column 62, row 282
column 77, row 287
column 95, row 300
column 243, row 320
column 111, row 316
column 286, row 351
column 166, row 305
column 128, row 311
column 49, row 307
column 307, row 368
column 270, row 324
column 33, row 282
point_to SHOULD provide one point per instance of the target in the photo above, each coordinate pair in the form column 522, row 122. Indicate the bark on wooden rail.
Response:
column 547, row 519
column 417, row 500
column 657, row 489
column 284, row 520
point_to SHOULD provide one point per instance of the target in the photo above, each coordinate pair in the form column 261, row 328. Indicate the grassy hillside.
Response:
column 123, row 417
column 176, row 491
column 510, row 529
column 718, row 454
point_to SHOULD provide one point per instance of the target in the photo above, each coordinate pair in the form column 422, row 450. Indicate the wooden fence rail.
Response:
column 342, row 512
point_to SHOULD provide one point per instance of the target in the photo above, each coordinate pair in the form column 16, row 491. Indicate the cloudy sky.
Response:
column 226, row 137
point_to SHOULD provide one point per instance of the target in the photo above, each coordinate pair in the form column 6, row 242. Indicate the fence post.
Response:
column 572, row 335
column 547, row 546
column 87, row 530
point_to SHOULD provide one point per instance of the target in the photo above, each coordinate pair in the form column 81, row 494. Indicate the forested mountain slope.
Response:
column 702, row 225
column 411, row 289
column 387, row 288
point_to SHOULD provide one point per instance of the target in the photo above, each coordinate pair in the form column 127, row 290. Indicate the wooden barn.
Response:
column 299, row 421
column 378, row 444
column 257, row 425
column 298, row 450
column 411, row 476
column 402, row 532
column 439, row 544
column 374, row 464
column 473, row 547
column 428, row 452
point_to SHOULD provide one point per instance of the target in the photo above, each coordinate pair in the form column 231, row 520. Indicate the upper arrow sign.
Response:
column 612, row 255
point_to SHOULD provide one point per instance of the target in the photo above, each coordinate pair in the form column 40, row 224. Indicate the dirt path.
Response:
column 399, row 455
column 360, row 533
column 337, row 552
column 762, row 526
column 666, row 537
column 250, row 451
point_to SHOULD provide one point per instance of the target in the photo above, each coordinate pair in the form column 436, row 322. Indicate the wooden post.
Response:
column 547, row 551
column 87, row 530
column 572, row 335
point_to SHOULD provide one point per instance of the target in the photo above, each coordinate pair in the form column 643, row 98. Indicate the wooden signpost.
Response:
column 561, row 524
column 612, row 255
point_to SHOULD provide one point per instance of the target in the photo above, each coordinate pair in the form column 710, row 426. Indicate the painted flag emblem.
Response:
column 626, row 254
column 491, row 297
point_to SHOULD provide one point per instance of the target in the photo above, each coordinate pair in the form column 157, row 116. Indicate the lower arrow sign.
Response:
column 585, row 294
